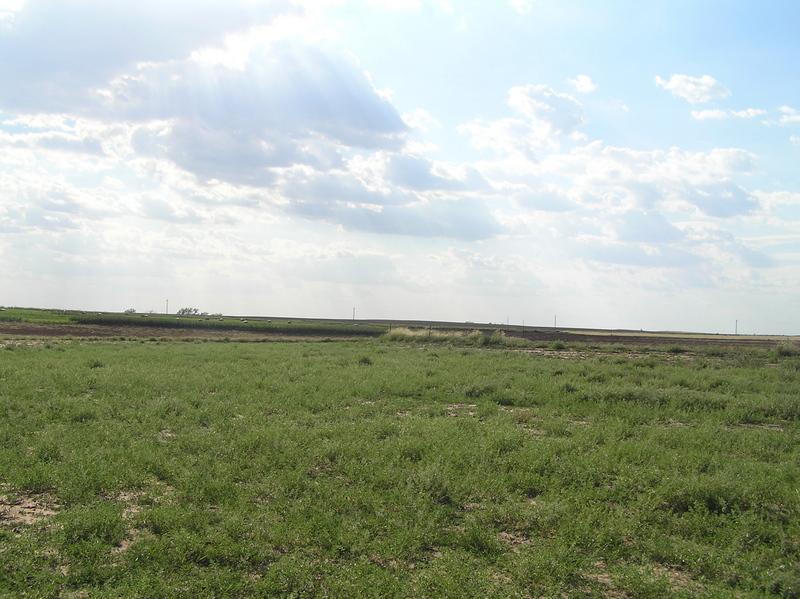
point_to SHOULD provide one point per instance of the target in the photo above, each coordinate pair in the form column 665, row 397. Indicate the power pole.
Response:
column 167, row 307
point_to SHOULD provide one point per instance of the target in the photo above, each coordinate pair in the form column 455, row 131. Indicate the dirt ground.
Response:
column 27, row 330
column 41, row 329
column 687, row 341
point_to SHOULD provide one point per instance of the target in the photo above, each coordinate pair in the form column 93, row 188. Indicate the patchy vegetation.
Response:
column 386, row 468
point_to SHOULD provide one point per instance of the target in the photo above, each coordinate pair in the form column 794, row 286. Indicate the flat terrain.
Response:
column 138, row 462
column 56, row 330
column 533, row 335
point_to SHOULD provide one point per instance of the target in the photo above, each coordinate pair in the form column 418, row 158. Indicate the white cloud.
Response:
column 718, row 114
column 62, row 75
column 8, row 9
column 421, row 119
column 549, row 118
column 559, row 113
column 395, row 4
column 521, row 6
column 749, row 113
column 795, row 139
column 292, row 102
column 583, row 84
column 421, row 174
column 506, row 136
column 790, row 115
column 713, row 114
column 11, row 5
column 695, row 90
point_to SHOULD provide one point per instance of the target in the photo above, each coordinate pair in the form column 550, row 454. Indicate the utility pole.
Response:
column 167, row 312
column 555, row 318
column 354, row 316
column 736, row 328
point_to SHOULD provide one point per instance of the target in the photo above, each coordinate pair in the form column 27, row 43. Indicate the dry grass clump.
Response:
column 454, row 337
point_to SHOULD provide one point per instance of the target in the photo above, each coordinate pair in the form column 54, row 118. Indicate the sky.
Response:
column 611, row 165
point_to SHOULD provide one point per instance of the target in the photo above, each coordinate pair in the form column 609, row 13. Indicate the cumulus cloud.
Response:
column 695, row 90
column 464, row 219
column 395, row 4
column 559, row 113
column 790, row 115
column 723, row 199
column 506, row 136
column 412, row 172
column 549, row 198
column 291, row 101
column 521, row 6
column 323, row 189
column 549, row 117
column 62, row 75
column 598, row 165
column 718, row 114
column 583, row 84
column 420, row 119
column 646, row 227
column 292, row 104
column 638, row 255
column 288, row 86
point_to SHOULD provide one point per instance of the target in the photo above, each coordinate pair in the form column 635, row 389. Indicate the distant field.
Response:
column 35, row 315
column 108, row 321
column 420, row 464
column 33, row 322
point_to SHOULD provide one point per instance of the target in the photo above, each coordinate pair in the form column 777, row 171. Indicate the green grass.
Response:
column 200, row 324
column 383, row 469
column 36, row 315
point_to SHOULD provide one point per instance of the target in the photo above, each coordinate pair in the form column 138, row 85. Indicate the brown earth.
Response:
column 44, row 330
column 688, row 341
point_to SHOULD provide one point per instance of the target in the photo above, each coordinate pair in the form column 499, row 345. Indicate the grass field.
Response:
column 36, row 315
column 200, row 324
column 393, row 468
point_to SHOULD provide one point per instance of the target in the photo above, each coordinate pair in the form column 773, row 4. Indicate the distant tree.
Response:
column 188, row 312
column 130, row 311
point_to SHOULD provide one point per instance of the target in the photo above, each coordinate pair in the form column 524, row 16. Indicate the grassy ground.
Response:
column 383, row 468
column 194, row 324
column 35, row 315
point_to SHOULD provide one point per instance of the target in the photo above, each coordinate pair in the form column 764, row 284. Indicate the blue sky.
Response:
column 616, row 165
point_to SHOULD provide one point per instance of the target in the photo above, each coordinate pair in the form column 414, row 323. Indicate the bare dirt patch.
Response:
column 89, row 331
column 605, row 582
column 456, row 409
column 688, row 341
column 680, row 581
column 25, row 510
